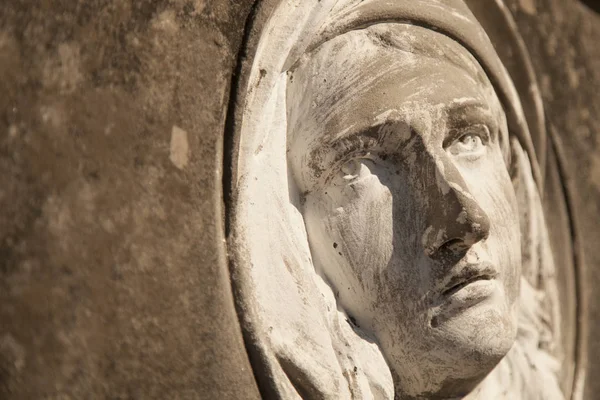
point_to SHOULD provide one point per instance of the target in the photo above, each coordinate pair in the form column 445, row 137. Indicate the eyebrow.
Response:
column 460, row 114
column 375, row 133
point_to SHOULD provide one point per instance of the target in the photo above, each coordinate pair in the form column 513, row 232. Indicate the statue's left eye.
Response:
column 351, row 169
column 355, row 169
column 469, row 144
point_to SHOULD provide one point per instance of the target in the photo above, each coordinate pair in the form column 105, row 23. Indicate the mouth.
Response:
column 468, row 275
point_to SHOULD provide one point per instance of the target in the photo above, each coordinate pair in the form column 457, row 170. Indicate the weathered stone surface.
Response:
column 113, row 282
column 113, row 279
column 562, row 38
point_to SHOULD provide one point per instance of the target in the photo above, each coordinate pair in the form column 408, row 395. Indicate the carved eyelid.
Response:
column 374, row 137
column 480, row 130
column 367, row 143
column 466, row 117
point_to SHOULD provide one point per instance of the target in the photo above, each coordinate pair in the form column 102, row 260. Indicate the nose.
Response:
column 454, row 219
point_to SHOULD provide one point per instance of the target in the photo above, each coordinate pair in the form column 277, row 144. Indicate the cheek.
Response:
column 351, row 229
column 491, row 186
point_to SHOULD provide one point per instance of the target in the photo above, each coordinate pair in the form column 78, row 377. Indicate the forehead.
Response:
column 366, row 74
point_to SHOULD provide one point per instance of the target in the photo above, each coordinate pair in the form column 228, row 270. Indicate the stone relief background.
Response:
column 560, row 37
column 113, row 280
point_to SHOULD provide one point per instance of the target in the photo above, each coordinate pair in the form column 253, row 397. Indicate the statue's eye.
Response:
column 351, row 169
column 470, row 144
column 355, row 168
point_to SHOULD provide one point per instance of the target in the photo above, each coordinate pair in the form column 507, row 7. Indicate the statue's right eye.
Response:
column 351, row 169
column 469, row 143
column 466, row 144
column 356, row 168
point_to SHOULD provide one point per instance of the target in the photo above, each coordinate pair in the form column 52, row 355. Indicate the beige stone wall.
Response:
column 113, row 280
column 562, row 37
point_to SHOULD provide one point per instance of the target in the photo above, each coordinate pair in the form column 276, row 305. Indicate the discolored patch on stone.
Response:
column 180, row 149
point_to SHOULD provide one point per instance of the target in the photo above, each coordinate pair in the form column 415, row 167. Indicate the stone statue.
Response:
column 388, row 231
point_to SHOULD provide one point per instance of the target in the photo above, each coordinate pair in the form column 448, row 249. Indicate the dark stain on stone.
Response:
column 263, row 73
column 94, row 175
column 188, row 8
column 352, row 321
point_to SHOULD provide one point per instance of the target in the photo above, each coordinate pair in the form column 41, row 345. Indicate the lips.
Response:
column 468, row 274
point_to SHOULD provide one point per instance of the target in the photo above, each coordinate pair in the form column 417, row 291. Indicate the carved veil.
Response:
column 298, row 340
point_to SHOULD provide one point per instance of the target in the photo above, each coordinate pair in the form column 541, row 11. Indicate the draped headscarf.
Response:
column 298, row 341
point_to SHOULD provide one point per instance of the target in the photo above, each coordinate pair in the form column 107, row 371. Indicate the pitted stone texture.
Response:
column 562, row 38
column 113, row 280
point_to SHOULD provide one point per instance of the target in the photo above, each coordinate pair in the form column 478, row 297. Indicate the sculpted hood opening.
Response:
column 299, row 342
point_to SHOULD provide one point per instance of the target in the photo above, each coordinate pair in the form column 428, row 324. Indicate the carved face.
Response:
column 396, row 142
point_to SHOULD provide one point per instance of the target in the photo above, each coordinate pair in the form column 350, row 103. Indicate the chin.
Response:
column 476, row 339
column 477, row 321
column 456, row 356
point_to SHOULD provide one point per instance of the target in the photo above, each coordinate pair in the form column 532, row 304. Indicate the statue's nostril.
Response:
column 456, row 245
column 451, row 250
